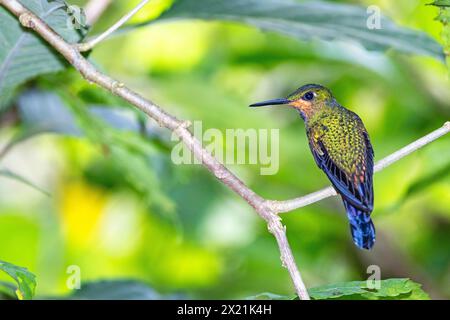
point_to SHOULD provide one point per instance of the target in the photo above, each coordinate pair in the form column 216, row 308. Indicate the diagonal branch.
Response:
column 266, row 209
column 90, row 73
column 289, row 205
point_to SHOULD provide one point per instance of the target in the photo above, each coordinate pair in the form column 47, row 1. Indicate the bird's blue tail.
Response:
column 361, row 226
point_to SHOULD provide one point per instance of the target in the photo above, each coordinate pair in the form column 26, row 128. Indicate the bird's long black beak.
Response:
column 271, row 102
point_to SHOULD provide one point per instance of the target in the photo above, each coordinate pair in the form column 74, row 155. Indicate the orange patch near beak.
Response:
column 302, row 105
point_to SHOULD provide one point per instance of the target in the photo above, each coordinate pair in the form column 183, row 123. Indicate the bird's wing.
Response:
column 354, row 181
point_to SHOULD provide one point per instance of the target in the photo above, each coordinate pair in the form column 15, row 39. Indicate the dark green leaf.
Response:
column 23, row 55
column 115, row 290
column 43, row 111
column 26, row 281
column 308, row 21
column 440, row 3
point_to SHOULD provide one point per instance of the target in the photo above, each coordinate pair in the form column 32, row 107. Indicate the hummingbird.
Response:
column 341, row 148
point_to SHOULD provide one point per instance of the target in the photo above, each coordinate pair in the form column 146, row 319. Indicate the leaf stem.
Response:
column 86, row 46
column 289, row 205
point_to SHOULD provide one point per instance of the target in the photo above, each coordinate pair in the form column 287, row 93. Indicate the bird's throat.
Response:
column 305, row 108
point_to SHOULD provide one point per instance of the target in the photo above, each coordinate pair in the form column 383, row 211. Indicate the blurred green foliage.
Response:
column 444, row 18
column 120, row 209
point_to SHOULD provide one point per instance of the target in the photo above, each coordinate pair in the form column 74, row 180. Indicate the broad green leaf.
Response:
column 444, row 18
column 402, row 289
column 417, row 293
column 389, row 289
column 441, row 3
column 333, row 291
column 26, row 281
column 23, row 55
column 308, row 21
column 11, row 175
column 40, row 112
column 44, row 111
column 115, row 290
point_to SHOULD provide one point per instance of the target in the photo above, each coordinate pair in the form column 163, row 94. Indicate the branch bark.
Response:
column 71, row 53
column 266, row 209
column 289, row 205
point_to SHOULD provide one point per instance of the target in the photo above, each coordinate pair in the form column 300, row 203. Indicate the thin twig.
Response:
column 94, row 10
column 86, row 46
column 289, row 205
column 90, row 73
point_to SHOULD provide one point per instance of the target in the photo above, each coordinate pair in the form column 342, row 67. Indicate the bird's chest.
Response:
column 339, row 138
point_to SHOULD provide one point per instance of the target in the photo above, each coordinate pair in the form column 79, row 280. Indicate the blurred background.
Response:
column 113, row 203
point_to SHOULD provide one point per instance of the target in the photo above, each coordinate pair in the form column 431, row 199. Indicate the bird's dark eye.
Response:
column 308, row 96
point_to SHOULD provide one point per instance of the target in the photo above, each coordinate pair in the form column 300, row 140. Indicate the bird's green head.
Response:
column 307, row 99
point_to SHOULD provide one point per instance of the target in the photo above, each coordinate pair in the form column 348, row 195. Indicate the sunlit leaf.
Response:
column 26, row 281
column 403, row 289
column 308, row 21
column 270, row 296
column 7, row 291
column 338, row 290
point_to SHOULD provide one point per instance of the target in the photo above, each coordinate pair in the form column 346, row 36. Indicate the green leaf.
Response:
column 115, row 290
column 24, row 55
column 44, row 111
column 9, row 174
column 417, row 293
column 333, row 291
column 401, row 289
column 26, row 281
column 440, row 3
column 270, row 296
column 7, row 291
column 308, row 21
column 444, row 18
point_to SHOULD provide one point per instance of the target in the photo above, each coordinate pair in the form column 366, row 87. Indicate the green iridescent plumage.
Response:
column 341, row 147
column 339, row 134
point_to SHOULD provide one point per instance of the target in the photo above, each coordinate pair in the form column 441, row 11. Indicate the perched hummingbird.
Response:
column 341, row 147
